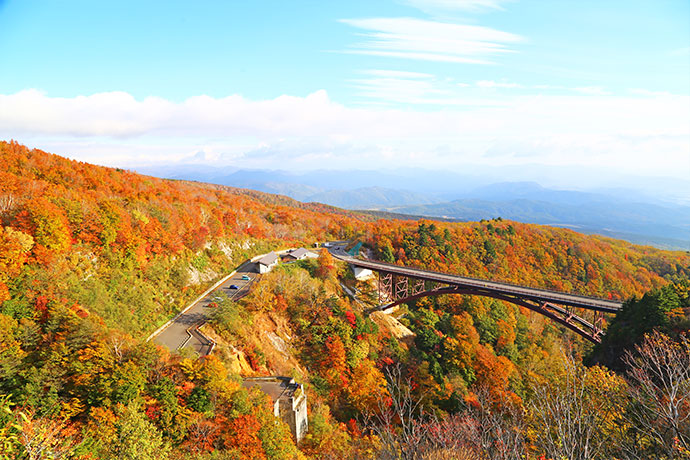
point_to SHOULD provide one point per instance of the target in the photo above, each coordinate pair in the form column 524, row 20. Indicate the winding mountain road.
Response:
column 181, row 332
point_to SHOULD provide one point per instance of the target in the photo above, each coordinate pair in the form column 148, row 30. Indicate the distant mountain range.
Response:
column 636, row 222
column 632, row 215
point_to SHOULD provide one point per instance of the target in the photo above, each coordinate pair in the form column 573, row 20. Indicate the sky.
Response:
column 370, row 84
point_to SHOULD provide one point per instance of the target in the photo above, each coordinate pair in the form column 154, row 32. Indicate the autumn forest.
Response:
column 94, row 259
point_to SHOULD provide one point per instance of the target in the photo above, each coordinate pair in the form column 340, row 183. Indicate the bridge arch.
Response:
column 400, row 284
column 563, row 316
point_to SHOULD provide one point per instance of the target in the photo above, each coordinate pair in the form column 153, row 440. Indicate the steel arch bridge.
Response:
column 397, row 284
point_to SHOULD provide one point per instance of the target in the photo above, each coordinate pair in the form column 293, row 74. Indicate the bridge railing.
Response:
column 597, row 300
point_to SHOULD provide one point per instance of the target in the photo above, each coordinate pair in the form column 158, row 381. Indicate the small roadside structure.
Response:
column 362, row 274
column 289, row 401
column 267, row 262
column 299, row 254
column 353, row 249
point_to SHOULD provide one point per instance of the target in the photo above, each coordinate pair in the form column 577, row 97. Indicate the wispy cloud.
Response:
column 646, row 92
column 396, row 74
column 410, row 38
column 401, row 87
column 461, row 5
column 497, row 84
column 592, row 90
column 396, row 87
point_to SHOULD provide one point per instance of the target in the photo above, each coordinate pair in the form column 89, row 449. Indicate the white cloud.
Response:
column 397, row 90
column 547, row 87
column 389, row 86
column 643, row 134
column 463, row 5
column 592, row 90
column 428, row 89
column 646, row 92
column 396, row 74
column 419, row 89
column 497, row 84
column 419, row 39
column 437, row 57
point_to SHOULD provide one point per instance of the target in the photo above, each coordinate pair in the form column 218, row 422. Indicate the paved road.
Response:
column 541, row 295
column 176, row 336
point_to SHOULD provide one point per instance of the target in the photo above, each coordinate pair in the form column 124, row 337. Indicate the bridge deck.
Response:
column 540, row 295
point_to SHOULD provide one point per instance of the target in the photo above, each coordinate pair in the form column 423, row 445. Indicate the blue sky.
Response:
column 263, row 49
column 364, row 83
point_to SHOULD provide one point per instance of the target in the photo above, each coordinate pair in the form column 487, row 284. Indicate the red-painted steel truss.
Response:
column 395, row 289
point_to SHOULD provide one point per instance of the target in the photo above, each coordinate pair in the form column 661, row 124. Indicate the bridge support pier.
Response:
column 564, row 315
column 397, row 284
column 385, row 287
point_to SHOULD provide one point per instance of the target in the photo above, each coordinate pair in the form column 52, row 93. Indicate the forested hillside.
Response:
column 124, row 246
column 93, row 259
column 532, row 255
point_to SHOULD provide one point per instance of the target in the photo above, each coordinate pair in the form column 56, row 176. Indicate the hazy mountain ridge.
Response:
column 637, row 222
column 636, row 216
column 446, row 185
column 370, row 197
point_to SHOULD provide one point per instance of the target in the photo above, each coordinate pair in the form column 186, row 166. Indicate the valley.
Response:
column 94, row 259
column 344, row 230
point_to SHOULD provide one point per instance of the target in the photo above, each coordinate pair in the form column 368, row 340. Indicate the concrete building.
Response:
column 289, row 401
column 267, row 262
column 299, row 254
column 362, row 273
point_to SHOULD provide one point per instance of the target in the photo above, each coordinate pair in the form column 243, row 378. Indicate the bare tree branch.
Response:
column 659, row 372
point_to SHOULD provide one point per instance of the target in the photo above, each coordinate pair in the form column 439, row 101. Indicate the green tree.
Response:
column 136, row 438
column 9, row 430
column 662, row 309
